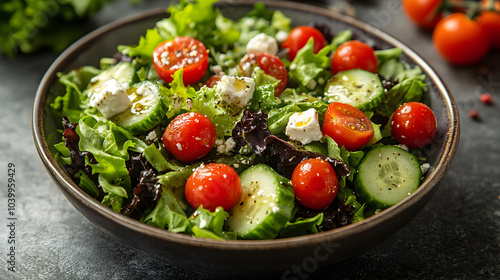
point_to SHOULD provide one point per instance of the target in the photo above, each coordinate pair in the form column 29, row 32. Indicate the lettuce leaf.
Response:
column 178, row 178
column 109, row 144
column 308, row 70
column 28, row 26
column 302, row 226
column 210, row 224
column 168, row 213
column 197, row 19
column 408, row 90
column 74, row 103
column 340, row 38
column 157, row 160
column 392, row 68
column 144, row 49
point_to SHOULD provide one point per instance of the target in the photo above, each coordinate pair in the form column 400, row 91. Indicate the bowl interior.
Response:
column 242, row 256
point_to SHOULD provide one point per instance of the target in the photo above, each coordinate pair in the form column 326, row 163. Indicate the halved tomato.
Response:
column 181, row 53
column 347, row 125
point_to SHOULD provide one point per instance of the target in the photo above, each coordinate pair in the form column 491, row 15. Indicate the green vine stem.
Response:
column 471, row 8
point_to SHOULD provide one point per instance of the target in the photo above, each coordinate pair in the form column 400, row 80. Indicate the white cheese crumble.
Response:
column 304, row 127
column 110, row 98
column 236, row 91
column 227, row 146
column 152, row 136
column 425, row 167
column 281, row 36
column 262, row 43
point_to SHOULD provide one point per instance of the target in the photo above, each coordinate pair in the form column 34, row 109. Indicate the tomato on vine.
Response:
column 315, row 183
column 490, row 21
column 424, row 13
column 460, row 40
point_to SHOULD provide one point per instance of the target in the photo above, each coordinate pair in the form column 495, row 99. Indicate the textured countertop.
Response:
column 457, row 236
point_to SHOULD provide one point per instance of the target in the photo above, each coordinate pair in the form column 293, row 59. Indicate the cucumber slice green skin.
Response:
column 387, row 175
column 266, row 204
column 356, row 87
column 147, row 109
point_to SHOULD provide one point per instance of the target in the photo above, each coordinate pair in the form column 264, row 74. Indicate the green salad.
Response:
column 253, row 128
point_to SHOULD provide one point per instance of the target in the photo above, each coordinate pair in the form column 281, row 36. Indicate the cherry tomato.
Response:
column 414, row 125
column 298, row 37
column 424, row 13
column 486, row 4
column 189, row 136
column 315, row 183
column 270, row 64
column 181, row 53
column 460, row 40
column 352, row 55
column 490, row 21
column 347, row 125
column 213, row 185
column 212, row 81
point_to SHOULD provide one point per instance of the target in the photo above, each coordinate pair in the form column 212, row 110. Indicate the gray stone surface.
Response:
column 457, row 236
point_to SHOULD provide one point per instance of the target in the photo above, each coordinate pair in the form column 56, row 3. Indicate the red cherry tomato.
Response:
column 414, row 125
column 353, row 55
column 213, row 185
column 298, row 37
column 315, row 183
column 424, row 13
column 490, row 21
column 270, row 64
column 189, row 136
column 347, row 125
column 460, row 40
column 213, row 80
column 181, row 53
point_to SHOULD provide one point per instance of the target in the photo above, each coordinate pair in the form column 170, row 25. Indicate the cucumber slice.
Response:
column 123, row 72
column 147, row 109
column 387, row 175
column 356, row 87
column 266, row 204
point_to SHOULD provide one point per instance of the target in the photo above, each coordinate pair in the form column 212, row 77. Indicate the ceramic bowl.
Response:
column 245, row 257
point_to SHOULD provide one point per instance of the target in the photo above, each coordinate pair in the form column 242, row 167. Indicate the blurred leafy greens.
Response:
column 26, row 26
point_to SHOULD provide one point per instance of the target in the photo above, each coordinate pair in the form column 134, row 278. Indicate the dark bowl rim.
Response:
column 63, row 180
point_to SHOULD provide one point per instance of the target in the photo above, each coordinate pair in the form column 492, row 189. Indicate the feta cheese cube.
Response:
column 227, row 146
column 236, row 91
column 262, row 43
column 110, row 98
column 304, row 127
